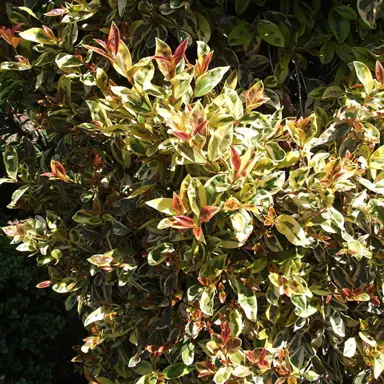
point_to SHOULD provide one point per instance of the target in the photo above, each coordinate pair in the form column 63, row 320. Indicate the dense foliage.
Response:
column 203, row 230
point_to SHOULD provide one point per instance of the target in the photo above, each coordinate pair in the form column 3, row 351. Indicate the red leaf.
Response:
column 113, row 39
column 205, row 64
column 207, row 213
column 48, row 174
column 206, row 373
column 182, row 135
column 49, row 33
column 162, row 58
column 347, row 292
column 375, row 301
column 235, row 159
column 56, row 12
column 57, row 169
column 184, row 222
column 197, row 232
column 21, row 59
column 201, row 128
column 177, row 204
column 263, row 354
column 97, row 50
column 16, row 27
column 101, row 43
column 5, row 36
column 250, row 355
column 44, row 284
column 225, row 332
column 379, row 73
column 180, row 51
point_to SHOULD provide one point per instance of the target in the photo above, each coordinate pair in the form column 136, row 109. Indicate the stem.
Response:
column 299, row 88
column 270, row 59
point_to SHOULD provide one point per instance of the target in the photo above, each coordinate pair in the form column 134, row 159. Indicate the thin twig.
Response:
column 270, row 58
column 304, row 82
column 299, row 88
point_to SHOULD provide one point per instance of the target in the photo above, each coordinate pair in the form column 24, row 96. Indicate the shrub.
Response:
column 31, row 324
column 203, row 235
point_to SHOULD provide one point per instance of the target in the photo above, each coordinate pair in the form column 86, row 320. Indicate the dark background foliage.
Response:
column 36, row 332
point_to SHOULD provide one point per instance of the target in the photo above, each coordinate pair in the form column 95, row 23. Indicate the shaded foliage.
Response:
column 31, row 324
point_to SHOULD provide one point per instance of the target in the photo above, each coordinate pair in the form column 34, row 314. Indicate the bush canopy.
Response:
column 215, row 217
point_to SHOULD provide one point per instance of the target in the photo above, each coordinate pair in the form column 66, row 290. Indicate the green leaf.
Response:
column 241, row 6
column 338, row 25
column 207, row 300
column 346, row 11
column 38, row 35
column 180, row 84
column 162, row 204
column 303, row 13
column 17, row 195
column 218, row 146
column 376, row 161
column 96, row 315
column 14, row 66
column 327, row 52
column 190, row 154
column 87, row 217
column 223, row 374
column 123, row 62
column 177, row 370
column 292, row 230
column 70, row 302
column 149, row 378
column 332, row 92
column 368, row 339
column 121, row 4
column 65, row 61
column 203, row 27
column 29, row 11
column 350, row 347
column 364, row 75
column 240, row 34
column 197, row 196
column 235, row 323
column 247, row 299
column 311, row 376
column 98, row 112
column 378, row 365
column 206, row 82
column 158, row 254
column 298, row 177
column 188, row 353
column 337, row 323
column 11, row 161
column 270, row 32
column 368, row 11
column 214, row 267
column 272, row 183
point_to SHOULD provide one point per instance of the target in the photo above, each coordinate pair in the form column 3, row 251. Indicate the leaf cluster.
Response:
column 204, row 233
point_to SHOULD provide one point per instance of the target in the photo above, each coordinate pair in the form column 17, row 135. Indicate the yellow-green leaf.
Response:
column 206, row 82
column 38, row 35
column 364, row 75
column 292, row 230
column 163, row 205
column 11, row 161
column 219, row 143
column 376, row 160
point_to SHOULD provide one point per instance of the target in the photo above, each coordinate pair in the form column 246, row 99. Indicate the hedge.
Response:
column 214, row 216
